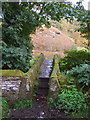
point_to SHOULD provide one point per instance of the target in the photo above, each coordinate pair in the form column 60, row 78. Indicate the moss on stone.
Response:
column 54, row 86
column 30, row 75
column 11, row 73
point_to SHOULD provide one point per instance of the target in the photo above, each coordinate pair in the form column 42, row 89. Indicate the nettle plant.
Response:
column 82, row 73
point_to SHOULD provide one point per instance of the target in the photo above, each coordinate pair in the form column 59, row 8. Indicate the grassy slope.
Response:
column 55, row 40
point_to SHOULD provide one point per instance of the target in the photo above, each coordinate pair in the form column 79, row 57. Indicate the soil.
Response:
column 40, row 109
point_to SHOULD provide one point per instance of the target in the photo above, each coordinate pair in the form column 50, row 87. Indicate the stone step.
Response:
column 46, row 69
column 43, row 87
column 44, row 84
column 42, row 92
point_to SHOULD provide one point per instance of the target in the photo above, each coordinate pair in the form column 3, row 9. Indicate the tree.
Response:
column 83, row 17
column 19, row 21
column 22, row 19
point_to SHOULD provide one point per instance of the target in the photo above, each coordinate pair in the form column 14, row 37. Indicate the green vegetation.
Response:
column 23, row 104
column 82, row 16
column 77, row 65
column 32, row 61
column 4, row 107
column 73, row 58
column 66, row 82
column 57, row 25
column 36, row 83
column 19, row 20
column 70, row 30
column 84, row 20
column 69, row 95
column 71, row 101
column 16, row 27
column 82, row 73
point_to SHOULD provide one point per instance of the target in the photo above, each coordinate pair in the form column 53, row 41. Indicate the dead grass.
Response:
column 48, row 54
column 54, row 41
column 70, row 30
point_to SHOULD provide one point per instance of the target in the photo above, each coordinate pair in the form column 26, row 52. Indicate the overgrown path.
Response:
column 41, row 108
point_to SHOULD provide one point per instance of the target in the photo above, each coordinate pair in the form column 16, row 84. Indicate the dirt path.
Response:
column 41, row 108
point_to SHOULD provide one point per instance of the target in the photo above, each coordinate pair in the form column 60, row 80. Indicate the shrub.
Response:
column 16, row 58
column 82, row 73
column 71, row 100
column 73, row 58
column 16, row 43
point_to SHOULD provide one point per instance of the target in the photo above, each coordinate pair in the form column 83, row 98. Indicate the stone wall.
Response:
column 16, row 85
column 54, row 86
column 59, row 81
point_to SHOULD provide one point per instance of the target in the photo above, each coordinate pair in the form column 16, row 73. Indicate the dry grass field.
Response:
column 53, row 40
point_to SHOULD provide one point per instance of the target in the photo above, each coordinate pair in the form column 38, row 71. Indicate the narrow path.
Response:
column 46, row 69
column 40, row 107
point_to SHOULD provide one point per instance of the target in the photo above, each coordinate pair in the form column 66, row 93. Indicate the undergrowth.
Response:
column 5, row 108
column 73, row 58
column 82, row 73
column 23, row 104
column 70, row 101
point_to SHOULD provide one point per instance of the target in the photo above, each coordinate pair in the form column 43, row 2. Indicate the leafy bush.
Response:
column 16, row 58
column 71, row 100
column 82, row 73
column 23, row 104
column 16, row 28
column 73, row 58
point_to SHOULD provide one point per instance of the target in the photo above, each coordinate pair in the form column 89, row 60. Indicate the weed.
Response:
column 5, row 108
column 23, row 104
